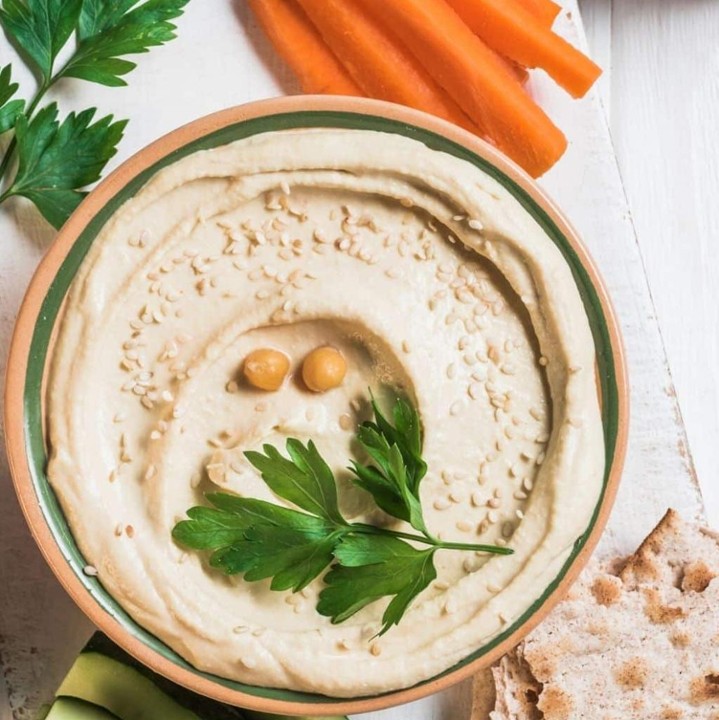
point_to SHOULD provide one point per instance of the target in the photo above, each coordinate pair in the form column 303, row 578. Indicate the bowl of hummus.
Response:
column 263, row 274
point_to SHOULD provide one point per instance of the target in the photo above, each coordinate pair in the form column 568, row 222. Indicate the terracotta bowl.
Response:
column 34, row 336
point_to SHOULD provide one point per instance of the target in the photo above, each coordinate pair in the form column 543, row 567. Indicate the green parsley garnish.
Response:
column 261, row 540
column 55, row 160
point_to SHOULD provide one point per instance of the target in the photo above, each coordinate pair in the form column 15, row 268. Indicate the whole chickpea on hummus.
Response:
column 427, row 278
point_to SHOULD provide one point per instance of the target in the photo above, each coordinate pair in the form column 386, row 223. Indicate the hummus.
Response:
column 429, row 277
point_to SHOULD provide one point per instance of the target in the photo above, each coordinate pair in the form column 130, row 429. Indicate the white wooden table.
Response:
column 661, row 93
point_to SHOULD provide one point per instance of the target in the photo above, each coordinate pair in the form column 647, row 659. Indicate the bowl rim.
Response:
column 18, row 431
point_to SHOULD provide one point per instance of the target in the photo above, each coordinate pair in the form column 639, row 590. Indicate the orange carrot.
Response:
column 544, row 10
column 299, row 44
column 476, row 78
column 509, row 29
column 519, row 72
column 377, row 62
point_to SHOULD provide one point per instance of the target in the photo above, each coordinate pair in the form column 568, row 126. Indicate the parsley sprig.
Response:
column 56, row 159
column 292, row 547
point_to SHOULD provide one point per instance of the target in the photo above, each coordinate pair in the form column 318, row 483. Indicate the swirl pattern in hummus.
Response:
column 429, row 276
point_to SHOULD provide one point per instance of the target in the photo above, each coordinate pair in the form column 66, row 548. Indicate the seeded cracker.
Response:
column 638, row 643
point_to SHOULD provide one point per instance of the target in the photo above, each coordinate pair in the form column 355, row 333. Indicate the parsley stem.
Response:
column 10, row 150
column 426, row 540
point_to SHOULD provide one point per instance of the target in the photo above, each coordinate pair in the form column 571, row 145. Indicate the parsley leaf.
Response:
column 260, row 540
column 371, row 567
column 56, row 159
column 107, row 31
column 39, row 29
column 9, row 109
column 396, row 450
column 304, row 480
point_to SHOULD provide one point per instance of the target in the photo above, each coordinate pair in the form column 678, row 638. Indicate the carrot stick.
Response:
column 379, row 64
column 476, row 78
column 299, row 44
column 511, row 30
column 545, row 11
column 519, row 72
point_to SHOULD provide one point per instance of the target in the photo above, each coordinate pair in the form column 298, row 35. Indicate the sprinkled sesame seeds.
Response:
column 477, row 499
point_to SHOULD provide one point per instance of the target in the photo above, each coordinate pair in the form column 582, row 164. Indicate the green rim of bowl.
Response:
column 52, row 302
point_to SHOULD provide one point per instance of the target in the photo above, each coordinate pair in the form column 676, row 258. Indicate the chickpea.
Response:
column 266, row 368
column 324, row 369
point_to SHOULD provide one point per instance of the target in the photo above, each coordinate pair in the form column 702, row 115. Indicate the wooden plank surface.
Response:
column 40, row 630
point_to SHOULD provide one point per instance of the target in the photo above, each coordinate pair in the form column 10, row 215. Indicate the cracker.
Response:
column 637, row 643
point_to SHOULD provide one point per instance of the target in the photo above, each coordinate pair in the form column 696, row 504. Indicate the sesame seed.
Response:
column 456, row 496
column 239, row 629
column 451, row 371
column 493, row 502
column 477, row 499
column 130, row 531
column 232, row 386
column 406, row 346
column 455, row 408
column 492, row 517
column 474, row 390
column 519, row 495
column 447, row 478
column 540, row 458
column 507, row 529
column 475, row 224
column 463, row 526
column 346, row 422
column 375, row 649
column 543, row 361
column 493, row 587
column 440, row 504
column 519, row 513
column 151, row 472
column 90, row 570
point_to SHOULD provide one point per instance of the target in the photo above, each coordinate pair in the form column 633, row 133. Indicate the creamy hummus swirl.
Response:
column 428, row 276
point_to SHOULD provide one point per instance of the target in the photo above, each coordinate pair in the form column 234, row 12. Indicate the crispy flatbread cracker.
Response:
column 638, row 643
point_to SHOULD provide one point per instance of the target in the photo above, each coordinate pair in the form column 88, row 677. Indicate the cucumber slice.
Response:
column 107, row 676
column 67, row 708
column 120, row 689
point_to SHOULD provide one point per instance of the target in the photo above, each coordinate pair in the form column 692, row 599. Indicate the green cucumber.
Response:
column 68, row 708
column 106, row 676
